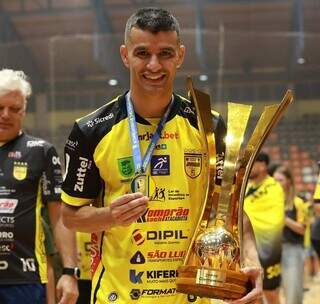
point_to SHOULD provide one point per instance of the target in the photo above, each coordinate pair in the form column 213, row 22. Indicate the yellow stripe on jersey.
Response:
column 75, row 201
column 40, row 251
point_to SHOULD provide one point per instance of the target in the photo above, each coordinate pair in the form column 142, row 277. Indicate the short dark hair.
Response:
column 154, row 20
column 263, row 157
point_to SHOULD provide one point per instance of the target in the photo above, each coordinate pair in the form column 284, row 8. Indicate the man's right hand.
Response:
column 127, row 209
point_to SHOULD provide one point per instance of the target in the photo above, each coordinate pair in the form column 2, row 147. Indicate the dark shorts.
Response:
column 84, row 291
column 316, row 246
column 272, row 274
column 23, row 294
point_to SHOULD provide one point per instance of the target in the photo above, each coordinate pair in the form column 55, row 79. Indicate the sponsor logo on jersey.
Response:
column 165, row 256
column 152, row 276
column 55, row 160
column 6, row 235
column 99, row 120
column 35, row 143
column 8, row 205
column 72, row 145
column 28, row 264
column 163, row 215
column 14, row 154
column 135, row 294
column 6, row 248
column 20, row 170
column 159, row 195
column 165, row 235
column 161, row 147
column 135, row 277
column 6, row 221
column 81, row 174
column 164, row 135
column 188, row 110
column 138, row 237
column 95, row 252
column 160, row 165
column 192, row 164
column 138, row 258
column 113, row 296
column 126, row 166
column 192, row 298
column 3, row 265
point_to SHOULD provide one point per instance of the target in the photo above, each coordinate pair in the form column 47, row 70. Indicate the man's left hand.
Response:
column 67, row 290
column 255, row 275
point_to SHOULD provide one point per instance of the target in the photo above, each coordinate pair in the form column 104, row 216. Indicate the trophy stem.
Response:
column 238, row 116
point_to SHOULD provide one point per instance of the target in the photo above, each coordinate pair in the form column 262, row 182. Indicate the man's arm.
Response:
column 67, row 286
column 252, row 264
column 121, row 212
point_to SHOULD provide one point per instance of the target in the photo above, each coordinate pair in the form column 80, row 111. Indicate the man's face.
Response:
column 12, row 111
column 153, row 59
column 259, row 169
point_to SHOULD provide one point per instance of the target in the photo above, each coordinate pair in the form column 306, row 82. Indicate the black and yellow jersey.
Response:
column 264, row 205
column 315, row 230
column 139, row 262
column 298, row 213
column 30, row 176
column 84, row 254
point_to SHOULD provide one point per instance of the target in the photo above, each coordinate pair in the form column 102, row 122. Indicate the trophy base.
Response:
column 212, row 283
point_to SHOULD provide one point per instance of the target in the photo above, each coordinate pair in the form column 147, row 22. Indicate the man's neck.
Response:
column 150, row 105
column 257, row 181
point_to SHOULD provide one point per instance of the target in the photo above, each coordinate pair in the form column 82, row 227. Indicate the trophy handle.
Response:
column 205, row 124
column 267, row 121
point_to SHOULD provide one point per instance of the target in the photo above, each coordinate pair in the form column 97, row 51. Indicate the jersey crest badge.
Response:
column 20, row 170
column 126, row 166
column 192, row 164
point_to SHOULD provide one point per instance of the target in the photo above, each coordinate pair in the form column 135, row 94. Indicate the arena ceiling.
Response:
column 64, row 41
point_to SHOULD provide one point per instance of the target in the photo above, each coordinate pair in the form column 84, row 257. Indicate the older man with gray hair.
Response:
column 30, row 178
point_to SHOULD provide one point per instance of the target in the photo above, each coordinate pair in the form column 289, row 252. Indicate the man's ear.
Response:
column 181, row 53
column 124, row 55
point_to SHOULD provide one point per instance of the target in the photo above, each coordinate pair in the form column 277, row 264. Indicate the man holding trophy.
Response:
column 137, row 174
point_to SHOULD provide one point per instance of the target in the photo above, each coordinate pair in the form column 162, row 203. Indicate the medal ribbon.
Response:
column 140, row 166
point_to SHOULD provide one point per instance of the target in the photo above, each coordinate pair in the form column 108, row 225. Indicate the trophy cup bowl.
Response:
column 218, row 252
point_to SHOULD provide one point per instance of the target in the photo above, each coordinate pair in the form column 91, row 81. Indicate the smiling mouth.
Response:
column 4, row 126
column 154, row 77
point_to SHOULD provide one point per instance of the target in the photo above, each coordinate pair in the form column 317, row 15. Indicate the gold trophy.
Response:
column 211, row 268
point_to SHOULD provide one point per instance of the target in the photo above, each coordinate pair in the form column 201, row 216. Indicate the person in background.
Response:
column 292, row 263
column 50, row 252
column 84, row 262
column 315, row 230
column 139, row 159
column 264, row 205
column 30, row 177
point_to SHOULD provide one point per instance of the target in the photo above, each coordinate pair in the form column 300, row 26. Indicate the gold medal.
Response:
column 143, row 183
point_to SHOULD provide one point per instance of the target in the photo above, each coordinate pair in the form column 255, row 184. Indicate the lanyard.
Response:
column 140, row 166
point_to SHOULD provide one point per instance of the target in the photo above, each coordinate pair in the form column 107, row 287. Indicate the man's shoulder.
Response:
column 270, row 182
column 188, row 109
column 107, row 115
column 31, row 141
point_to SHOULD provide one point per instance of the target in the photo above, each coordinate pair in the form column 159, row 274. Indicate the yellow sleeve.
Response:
column 301, row 210
column 316, row 196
